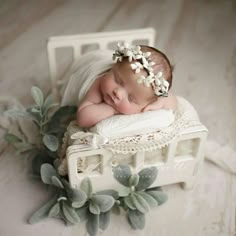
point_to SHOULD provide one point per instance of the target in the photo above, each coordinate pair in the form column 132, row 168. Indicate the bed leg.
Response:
column 188, row 185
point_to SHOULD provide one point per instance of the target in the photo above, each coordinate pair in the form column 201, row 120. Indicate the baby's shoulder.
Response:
column 170, row 102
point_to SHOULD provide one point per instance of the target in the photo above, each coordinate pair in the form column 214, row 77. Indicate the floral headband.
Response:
column 142, row 61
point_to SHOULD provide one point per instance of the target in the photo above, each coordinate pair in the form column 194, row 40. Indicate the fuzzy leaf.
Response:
column 37, row 95
column 94, row 208
column 133, row 180
column 15, row 113
column 116, row 209
column 76, row 196
column 104, row 220
column 70, row 213
column 47, row 171
column 159, row 196
column 122, row 174
column 35, row 110
column 47, row 103
column 148, row 198
column 23, row 147
column 123, row 192
column 140, row 203
column 109, row 192
column 12, row 138
column 38, row 160
column 154, row 189
column 104, row 202
column 86, row 186
column 92, row 224
column 35, row 116
column 136, row 219
column 51, row 142
column 56, row 182
column 82, row 212
column 55, row 210
column 146, row 178
column 43, row 211
column 129, row 202
column 63, row 115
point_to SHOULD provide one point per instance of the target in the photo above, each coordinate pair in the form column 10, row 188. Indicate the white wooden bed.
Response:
column 177, row 162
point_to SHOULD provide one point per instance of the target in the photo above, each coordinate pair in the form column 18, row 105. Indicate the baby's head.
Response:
column 133, row 83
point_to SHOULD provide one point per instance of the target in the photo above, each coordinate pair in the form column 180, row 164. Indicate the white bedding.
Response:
column 121, row 126
column 81, row 76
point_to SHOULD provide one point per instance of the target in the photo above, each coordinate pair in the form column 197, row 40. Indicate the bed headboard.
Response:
column 101, row 40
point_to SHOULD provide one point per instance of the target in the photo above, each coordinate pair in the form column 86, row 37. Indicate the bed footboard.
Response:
column 176, row 163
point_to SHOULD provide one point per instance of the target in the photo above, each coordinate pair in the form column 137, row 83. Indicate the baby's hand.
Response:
column 89, row 114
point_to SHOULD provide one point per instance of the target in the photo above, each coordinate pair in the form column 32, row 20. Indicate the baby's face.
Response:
column 119, row 89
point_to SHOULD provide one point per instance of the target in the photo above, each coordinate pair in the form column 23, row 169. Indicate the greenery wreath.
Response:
column 81, row 204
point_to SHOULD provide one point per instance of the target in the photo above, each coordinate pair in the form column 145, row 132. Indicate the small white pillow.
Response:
column 120, row 126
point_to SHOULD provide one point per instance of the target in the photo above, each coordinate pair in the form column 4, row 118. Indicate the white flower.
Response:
column 137, row 49
column 137, row 66
column 147, row 54
column 159, row 74
column 141, row 79
column 152, row 63
column 126, row 45
column 146, row 83
column 150, row 79
column 158, row 82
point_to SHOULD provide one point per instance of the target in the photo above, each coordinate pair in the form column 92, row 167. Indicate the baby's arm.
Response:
column 93, row 110
column 169, row 102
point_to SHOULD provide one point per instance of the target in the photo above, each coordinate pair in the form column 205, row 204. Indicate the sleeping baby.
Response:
column 138, row 81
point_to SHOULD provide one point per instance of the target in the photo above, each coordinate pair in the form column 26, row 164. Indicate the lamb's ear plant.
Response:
column 51, row 122
column 139, row 198
column 74, row 205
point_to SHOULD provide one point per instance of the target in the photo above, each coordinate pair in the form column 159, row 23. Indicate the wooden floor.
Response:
column 198, row 36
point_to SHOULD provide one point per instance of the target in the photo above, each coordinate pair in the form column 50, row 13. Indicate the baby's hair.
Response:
column 160, row 60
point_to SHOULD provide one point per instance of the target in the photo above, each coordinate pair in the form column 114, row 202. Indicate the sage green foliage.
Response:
column 80, row 204
column 75, row 205
column 140, row 198
column 51, row 125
